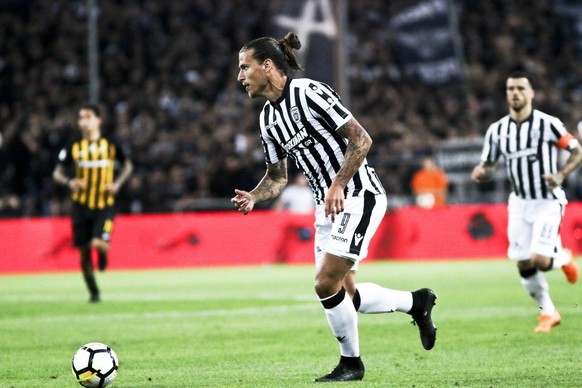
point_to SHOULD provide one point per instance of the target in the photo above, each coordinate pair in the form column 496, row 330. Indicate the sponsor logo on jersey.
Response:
column 528, row 152
column 300, row 137
column 94, row 163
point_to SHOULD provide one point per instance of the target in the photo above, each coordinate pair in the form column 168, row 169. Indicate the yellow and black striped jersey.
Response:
column 94, row 162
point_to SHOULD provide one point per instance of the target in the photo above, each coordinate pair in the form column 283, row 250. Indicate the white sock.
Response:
column 343, row 321
column 376, row 300
column 538, row 288
column 561, row 258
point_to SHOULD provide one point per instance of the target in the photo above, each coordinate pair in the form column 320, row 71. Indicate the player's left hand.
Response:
column 112, row 188
column 554, row 180
column 243, row 201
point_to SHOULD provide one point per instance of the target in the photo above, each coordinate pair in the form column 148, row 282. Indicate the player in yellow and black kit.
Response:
column 93, row 159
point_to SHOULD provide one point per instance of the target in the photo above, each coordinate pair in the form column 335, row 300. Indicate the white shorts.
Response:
column 350, row 234
column 533, row 227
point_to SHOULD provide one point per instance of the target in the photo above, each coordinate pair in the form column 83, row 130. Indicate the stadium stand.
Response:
column 168, row 82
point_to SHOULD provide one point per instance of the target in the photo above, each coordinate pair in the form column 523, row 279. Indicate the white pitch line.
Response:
column 160, row 315
column 156, row 297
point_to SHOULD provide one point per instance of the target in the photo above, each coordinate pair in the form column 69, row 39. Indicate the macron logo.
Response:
column 358, row 237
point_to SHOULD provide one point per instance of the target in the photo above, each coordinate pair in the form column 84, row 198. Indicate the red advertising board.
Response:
column 457, row 232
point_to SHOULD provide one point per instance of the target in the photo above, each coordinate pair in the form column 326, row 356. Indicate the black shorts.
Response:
column 89, row 224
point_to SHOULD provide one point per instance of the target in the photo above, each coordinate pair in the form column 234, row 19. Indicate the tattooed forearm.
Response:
column 573, row 161
column 359, row 143
column 273, row 182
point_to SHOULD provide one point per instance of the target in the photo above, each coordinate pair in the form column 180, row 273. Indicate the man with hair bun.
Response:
column 304, row 119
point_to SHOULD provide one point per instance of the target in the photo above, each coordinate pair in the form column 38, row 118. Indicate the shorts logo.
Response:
column 358, row 237
column 339, row 238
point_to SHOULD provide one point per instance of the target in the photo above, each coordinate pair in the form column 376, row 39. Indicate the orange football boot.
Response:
column 547, row 322
column 571, row 269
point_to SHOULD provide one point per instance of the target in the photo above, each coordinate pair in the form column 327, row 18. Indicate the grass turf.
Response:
column 263, row 327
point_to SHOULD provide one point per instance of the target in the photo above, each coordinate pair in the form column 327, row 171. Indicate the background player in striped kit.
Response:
column 530, row 140
column 305, row 119
column 92, row 160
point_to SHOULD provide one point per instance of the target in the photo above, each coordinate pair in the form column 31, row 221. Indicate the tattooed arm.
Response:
column 269, row 187
column 359, row 143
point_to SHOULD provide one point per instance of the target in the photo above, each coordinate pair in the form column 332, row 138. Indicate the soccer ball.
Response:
column 95, row 365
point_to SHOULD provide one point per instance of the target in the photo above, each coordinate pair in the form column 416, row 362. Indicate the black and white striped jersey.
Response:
column 531, row 150
column 302, row 124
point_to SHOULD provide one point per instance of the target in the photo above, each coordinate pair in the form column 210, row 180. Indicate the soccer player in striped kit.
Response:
column 92, row 160
column 305, row 120
column 530, row 140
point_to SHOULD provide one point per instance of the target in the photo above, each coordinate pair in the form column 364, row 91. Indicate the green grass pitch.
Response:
column 263, row 327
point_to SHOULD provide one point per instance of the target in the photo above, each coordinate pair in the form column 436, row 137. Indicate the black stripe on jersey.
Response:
column 540, row 151
column 530, row 163
column 518, row 161
column 360, row 232
column 101, row 154
column 555, row 131
column 92, row 187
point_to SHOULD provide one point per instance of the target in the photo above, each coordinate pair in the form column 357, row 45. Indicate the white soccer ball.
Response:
column 95, row 365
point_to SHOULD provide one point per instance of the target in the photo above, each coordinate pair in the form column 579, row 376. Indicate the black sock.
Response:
column 334, row 300
column 357, row 300
column 526, row 273
column 549, row 267
column 102, row 263
column 92, row 285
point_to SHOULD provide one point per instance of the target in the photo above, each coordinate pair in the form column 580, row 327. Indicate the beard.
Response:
column 516, row 106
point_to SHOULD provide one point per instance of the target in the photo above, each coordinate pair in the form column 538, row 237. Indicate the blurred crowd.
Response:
column 168, row 86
